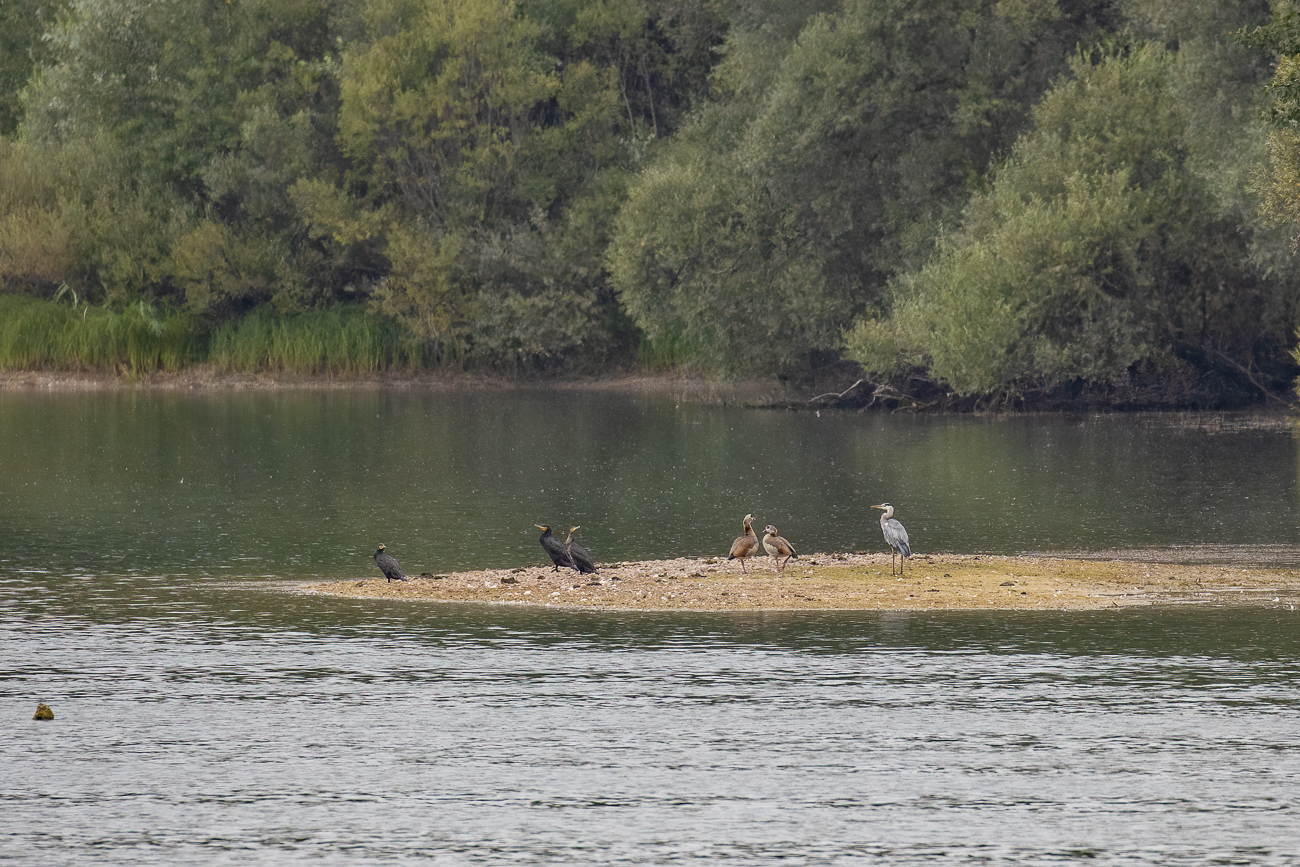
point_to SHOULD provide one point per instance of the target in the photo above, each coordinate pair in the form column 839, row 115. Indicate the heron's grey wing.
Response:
column 898, row 537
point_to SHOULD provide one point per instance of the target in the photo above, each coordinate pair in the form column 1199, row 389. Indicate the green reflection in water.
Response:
column 306, row 483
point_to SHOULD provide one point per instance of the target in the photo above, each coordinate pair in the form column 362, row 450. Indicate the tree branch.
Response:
column 1250, row 376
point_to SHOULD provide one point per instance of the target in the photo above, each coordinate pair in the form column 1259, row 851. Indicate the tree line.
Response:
column 974, row 202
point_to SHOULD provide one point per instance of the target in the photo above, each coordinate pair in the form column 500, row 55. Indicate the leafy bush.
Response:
column 1099, row 249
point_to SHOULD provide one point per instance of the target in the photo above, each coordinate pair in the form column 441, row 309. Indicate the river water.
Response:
column 206, row 713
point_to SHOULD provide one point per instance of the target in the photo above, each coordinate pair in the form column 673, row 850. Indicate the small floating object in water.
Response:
column 43, row 712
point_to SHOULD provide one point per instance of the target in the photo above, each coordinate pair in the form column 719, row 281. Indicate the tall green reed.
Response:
column 337, row 340
column 669, row 351
column 67, row 333
column 37, row 333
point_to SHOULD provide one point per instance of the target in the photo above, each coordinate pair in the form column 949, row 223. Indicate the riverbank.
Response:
column 204, row 377
column 683, row 387
column 831, row 389
column 843, row 582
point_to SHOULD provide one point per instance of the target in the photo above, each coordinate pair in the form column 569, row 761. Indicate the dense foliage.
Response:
column 1279, row 180
column 990, row 200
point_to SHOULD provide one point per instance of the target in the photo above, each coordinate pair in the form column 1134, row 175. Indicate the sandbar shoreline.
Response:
column 842, row 582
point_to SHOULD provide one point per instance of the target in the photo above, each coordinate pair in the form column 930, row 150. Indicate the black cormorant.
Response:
column 580, row 556
column 555, row 548
column 388, row 565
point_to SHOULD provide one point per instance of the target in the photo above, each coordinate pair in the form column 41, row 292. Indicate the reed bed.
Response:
column 338, row 340
column 36, row 333
column 40, row 334
column 669, row 351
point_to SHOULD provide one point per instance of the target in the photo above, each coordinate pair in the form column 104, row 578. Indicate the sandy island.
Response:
column 836, row 581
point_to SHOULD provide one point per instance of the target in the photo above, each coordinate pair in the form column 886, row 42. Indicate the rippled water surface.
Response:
column 206, row 713
column 260, row 726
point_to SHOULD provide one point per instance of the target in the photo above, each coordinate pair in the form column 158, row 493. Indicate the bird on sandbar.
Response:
column 777, row 546
column 579, row 555
column 555, row 549
column 745, row 545
column 895, row 535
column 388, row 565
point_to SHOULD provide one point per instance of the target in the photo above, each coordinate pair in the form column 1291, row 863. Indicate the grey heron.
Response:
column 895, row 535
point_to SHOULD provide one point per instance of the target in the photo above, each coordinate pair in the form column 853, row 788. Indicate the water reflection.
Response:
column 308, row 483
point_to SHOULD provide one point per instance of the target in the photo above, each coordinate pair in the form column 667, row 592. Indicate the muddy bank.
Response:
column 841, row 582
column 683, row 387
column 829, row 389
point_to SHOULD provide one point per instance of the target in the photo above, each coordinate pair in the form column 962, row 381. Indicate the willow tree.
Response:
column 840, row 134
column 1101, row 255
column 23, row 48
column 487, row 166
column 198, row 117
column 1278, row 179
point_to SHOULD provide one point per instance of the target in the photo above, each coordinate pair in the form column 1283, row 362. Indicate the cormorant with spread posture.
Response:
column 580, row 556
column 388, row 565
column 555, row 548
column 745, row 545
column 777, row 546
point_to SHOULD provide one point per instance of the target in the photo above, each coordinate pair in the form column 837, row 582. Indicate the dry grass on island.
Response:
column 840, row 582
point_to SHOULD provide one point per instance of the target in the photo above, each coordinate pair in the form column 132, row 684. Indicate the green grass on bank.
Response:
column 670, row 351
column 35, row 333
column 42, row 334
column 340, row 340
